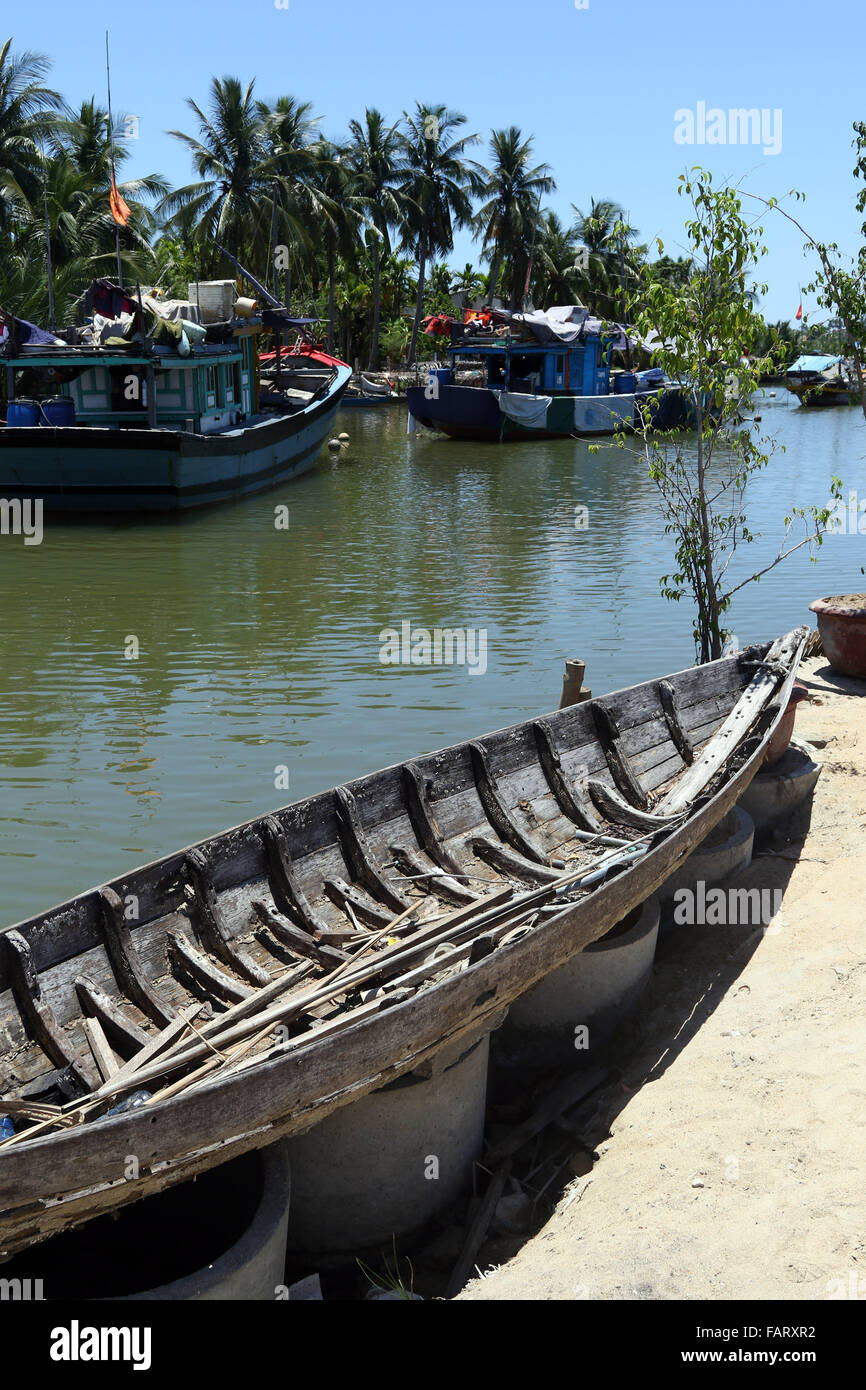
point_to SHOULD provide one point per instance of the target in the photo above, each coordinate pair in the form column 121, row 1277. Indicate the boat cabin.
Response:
column 210, row 389
column 550, row 369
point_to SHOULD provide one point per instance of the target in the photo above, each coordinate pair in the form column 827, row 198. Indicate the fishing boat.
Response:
column 547, row 375
column 160, row 407
column 369, row 394
column 822, row 381
column 240, row 990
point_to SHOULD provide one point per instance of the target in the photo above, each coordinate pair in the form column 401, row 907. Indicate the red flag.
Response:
column 119, row 209
column 799, row 313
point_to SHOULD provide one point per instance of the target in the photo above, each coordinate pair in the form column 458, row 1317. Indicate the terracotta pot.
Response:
column 842, row 625
column 782, row 737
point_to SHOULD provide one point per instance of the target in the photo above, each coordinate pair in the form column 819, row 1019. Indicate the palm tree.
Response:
column 468, row 282
column 294, row 152
column 229, row 156
column 372, row 155
column 27, row 115
column 436, row 185
column 340, row 215
column 555, row 274
column 513, row 190
column 607, row 238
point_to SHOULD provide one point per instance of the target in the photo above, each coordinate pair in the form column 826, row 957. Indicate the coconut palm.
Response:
column 512, row 189
column 607, row 238
column 294, row 153
column 340, row 212
column 555, row 273
column 468, row 282
column 373, row 157
column 229, row 154
column 436, row 182
column 27, row 113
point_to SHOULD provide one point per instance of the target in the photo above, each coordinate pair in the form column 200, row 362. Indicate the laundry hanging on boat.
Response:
column 529, row 411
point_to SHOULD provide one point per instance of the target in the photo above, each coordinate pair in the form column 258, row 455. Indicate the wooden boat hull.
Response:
column 61, row 1179
column 823, row 394
column 472, row 412
column 81, row 469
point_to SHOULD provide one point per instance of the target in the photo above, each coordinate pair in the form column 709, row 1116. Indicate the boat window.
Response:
column 211, row 377
column 560, row 365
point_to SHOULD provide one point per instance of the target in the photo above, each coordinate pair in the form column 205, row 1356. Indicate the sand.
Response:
column 734, row 1163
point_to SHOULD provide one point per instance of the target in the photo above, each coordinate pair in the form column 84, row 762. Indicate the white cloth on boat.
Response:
column 529, row 411
column 561, row 324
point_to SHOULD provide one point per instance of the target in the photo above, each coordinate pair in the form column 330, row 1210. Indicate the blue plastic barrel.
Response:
column 59, row 410
column 625, row 383
column 22, row 414
column 442, row 375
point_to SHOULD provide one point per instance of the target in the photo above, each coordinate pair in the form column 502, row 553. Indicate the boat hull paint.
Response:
column 83, row 1168
column 79, row 469
column 472, row 412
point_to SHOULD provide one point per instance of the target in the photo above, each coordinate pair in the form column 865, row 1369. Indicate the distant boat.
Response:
column 822, row 381
column 372, row 393
column 547, row 376
column 171, row 417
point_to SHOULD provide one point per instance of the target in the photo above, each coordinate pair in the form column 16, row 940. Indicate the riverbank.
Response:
column 732, row 1168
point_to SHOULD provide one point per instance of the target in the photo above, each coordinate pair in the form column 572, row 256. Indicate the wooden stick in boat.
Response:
column 135, row 1064
column 102, row 1054
column 784, row 654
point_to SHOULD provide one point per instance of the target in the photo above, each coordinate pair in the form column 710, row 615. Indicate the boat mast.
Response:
column 47, row 244
column 111, row 146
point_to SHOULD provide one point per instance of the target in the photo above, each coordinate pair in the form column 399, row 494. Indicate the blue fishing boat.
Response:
column 162, row 414
column 546, row 376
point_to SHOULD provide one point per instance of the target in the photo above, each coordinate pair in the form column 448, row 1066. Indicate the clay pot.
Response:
column 782, row 737
column 842, row 626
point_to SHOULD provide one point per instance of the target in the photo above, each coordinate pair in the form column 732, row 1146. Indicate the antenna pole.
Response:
column 111, row 145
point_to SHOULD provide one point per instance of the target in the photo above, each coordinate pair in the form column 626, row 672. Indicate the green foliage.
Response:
column 710, row 333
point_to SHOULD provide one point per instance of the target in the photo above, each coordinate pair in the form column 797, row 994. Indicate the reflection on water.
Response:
column 259, row 648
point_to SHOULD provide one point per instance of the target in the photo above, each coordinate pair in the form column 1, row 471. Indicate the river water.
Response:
column 258, row 648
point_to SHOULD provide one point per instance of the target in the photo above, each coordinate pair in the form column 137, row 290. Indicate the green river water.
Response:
column 259, row 648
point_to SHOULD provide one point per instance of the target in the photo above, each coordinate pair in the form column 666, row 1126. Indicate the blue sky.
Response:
column 597, row 86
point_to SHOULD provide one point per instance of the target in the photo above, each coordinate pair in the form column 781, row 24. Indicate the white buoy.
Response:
column 334, row 445
column 343, row 438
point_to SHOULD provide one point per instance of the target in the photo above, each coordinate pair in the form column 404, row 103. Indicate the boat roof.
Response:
column 810, row 363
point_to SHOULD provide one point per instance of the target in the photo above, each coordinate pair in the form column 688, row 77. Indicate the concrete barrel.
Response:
column 782, row 788
column 394, row 1160
column 726, row 850
column 594, row 989
column 221, row 1236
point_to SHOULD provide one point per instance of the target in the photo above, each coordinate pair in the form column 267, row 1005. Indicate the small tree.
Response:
column 706, row 327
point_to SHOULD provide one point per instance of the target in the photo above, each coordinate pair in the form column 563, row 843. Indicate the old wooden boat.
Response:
column 247, row 986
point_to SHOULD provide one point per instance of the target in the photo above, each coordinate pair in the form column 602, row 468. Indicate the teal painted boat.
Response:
column 162, row 428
